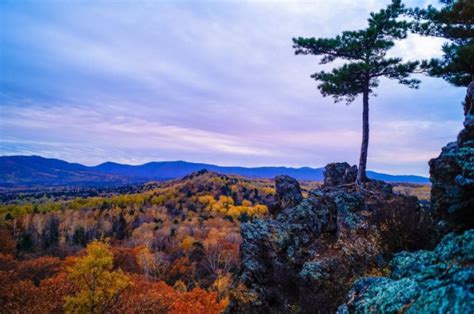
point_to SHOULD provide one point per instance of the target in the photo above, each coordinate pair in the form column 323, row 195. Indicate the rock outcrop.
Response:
column 439, row 281
column 305, row 258
column 452, row 177
column 339, row 173
column 288, row 192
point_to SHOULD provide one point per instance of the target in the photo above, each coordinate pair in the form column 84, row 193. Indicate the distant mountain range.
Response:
column 35, row 170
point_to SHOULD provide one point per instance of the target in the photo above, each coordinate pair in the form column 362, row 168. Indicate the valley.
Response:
column 181, row 236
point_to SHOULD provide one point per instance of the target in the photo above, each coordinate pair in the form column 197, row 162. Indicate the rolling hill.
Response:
column 36, row 170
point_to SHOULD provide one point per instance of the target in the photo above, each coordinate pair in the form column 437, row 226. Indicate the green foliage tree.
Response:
column 50, row 234
column 79, row 237
column 25, row 242
column 98, row 284
column 455, row 22
column 366, row 51
column 8, row 216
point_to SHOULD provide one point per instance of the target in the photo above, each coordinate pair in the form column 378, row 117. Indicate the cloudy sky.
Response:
column 204, row 81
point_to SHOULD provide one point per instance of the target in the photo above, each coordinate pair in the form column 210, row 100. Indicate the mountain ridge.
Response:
column 37, row 170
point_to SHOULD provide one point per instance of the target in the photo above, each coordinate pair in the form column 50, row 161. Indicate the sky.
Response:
column 205, row 81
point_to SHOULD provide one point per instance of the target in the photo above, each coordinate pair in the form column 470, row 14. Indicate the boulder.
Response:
column 288, row 192
column 339, row 173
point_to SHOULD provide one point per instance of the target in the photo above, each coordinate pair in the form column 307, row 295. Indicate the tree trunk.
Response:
column 361, row 175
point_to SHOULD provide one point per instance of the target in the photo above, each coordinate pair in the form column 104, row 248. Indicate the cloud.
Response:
column 215, row 82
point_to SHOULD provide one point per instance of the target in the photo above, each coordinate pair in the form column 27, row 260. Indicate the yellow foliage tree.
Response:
column 180, row 286
column 145, row 259
column 208, row 201
column 246, row 203
column 97, row 283
column 222, row 286
column 157, row 200
column 187, row 242
column 224, row 204
column 259, row 210
column 235, row 211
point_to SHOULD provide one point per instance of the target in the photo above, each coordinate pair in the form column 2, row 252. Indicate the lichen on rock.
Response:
column 288, row 192
column 452, row 177
column 339, row 173
column 438, row 281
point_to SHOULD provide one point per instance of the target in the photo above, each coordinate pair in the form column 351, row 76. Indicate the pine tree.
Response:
column 455, row 22
column 365, row 50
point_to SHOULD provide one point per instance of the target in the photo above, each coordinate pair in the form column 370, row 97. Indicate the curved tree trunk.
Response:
column 361, row 175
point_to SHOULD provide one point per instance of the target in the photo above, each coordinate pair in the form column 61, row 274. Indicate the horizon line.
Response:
column 209, row 164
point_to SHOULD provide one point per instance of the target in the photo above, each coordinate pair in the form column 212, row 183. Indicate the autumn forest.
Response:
column 178, row 239
column 102, row 102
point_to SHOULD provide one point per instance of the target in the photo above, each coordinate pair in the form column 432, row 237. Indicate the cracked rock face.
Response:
column 452, row 177
column 305, row 258
column 438, row 281
column 288, row 192
column 339, row 173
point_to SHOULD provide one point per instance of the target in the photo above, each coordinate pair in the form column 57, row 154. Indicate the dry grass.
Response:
column 422, row 191
column 307, row 186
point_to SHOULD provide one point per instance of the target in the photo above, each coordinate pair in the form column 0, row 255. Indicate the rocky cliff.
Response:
column 336, row 246
column 305, row 258
column 452, row 177
column 442, row 280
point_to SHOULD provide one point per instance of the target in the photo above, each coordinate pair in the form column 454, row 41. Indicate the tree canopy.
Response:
column 455, row 22
column 366, row 50
column 98, row 284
